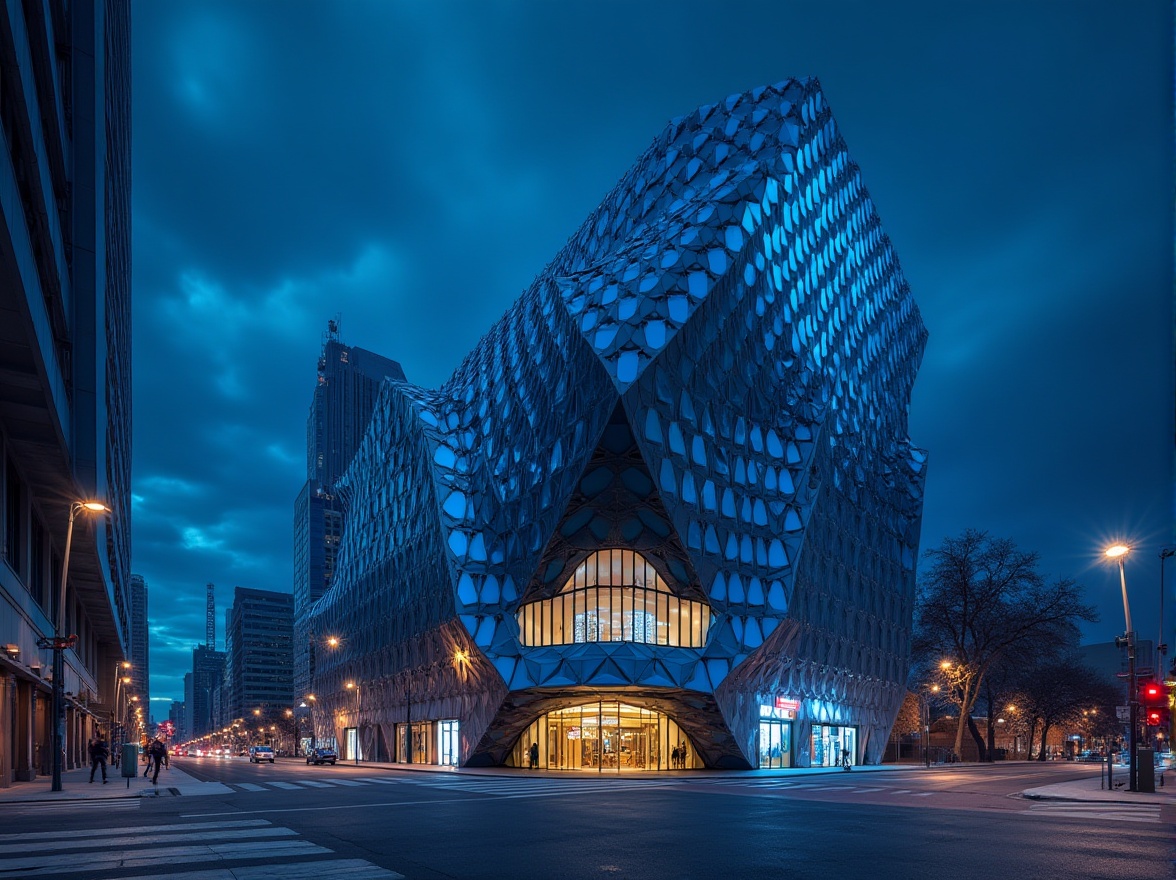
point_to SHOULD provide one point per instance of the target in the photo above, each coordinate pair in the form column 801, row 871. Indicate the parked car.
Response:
column 257, row 754
column 321, row 756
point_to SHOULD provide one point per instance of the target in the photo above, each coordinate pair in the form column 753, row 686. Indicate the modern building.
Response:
column 259, row 665
column 345, row 392
column 65, row 369
column 140, row 641
column 208, row 670
column 666, row 513
column 176, row 716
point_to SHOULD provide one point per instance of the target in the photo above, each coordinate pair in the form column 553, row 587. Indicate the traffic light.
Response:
column 1153, row 717
column 1151, row 693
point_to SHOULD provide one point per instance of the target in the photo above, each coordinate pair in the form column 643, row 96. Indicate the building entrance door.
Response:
column 610, row 737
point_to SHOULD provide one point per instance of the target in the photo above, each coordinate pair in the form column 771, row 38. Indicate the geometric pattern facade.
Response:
column 716, row 372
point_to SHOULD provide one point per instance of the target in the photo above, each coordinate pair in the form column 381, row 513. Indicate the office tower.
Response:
column 140, row 642
column 208, row 668
column 65, row 355
column 348, row 383
column 666, row 513
column 259, row 670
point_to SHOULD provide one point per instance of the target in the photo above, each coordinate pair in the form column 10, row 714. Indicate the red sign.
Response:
column 787, row 704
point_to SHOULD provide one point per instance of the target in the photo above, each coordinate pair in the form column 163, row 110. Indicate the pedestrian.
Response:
column 156, row 752
column 534, row 756
column 675, row 757
column 99, row 752
column 682, row 755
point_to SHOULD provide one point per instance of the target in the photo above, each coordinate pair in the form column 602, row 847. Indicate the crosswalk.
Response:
column 485, row 785
column 218, row 846
column 1089, row 811
column 777, row 784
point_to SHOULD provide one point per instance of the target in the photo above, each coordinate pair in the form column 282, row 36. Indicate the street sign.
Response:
column 1123, row 713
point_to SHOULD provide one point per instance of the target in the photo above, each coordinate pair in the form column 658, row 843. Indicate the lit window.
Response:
column 615, row 596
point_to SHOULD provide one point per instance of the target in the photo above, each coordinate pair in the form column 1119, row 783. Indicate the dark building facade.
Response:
column 666, row 514
column 203, row 692
column 259, row 667
column 140, row 642
column 345, row 393
column 65, row 368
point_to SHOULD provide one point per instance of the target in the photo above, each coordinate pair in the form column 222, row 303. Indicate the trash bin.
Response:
column 1146, row 762
column 130, row 761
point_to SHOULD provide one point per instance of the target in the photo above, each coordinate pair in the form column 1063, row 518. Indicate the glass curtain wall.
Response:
column 615, row 596
column 448, row 743
column 608, row 737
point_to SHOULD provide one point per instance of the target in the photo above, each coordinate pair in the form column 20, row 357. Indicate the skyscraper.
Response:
column 666, row 513
column 140, row 643
column 259, row 671
column 345, row 392
column 208, row 669
column 65, row 346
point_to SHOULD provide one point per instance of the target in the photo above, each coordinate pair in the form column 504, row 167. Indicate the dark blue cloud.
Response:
column 412, row 166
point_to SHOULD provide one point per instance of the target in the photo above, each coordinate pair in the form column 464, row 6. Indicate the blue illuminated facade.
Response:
column 666, row 513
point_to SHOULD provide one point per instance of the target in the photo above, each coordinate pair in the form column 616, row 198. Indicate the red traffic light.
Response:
column 1150, row 692
column 1153, row 718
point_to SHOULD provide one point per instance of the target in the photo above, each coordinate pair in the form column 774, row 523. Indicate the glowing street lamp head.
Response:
column 95, row 506
column 946, row 664
column 1117, row 551
column 349, row 685
column 333, row 641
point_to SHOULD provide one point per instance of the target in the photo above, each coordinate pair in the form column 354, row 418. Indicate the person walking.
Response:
column 156, row 753
column 99, row 752
column 534, row 756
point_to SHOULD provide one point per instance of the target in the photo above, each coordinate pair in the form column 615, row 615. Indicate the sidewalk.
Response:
column 1093, row 790
column 76, row 785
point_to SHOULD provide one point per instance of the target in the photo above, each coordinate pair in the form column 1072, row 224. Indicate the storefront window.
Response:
column 615, row 596
column 775, row 743
column 829, row 741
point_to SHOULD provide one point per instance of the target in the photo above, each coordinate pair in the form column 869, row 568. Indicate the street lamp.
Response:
column 60, row 642
column 351, row 685
column 1161, row 646
column 1118, row 552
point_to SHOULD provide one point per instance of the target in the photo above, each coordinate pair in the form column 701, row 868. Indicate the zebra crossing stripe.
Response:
column 353, row 869
column 98, row 849
column 250, row 786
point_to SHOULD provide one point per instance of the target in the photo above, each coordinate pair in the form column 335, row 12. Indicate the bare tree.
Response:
column 1058, row 692
column 982, row 600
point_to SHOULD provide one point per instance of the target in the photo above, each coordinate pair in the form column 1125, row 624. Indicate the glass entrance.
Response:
column 829, row 741
column 608, row 737
column 448, row 745
column 775, row 744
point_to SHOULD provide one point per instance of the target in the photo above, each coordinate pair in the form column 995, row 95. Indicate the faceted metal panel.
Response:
column 716, row 371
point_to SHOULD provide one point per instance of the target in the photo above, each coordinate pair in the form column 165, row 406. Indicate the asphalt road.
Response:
column 292, row 821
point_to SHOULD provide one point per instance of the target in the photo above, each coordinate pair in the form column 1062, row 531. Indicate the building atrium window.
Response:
column 615, row 596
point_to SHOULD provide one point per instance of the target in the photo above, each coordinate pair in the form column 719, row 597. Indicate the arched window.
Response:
column 615, row 596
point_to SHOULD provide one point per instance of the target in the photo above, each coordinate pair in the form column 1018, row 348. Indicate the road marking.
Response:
column 353, row 869
column 251, row 786
column 163, row 829
column 100, row 849
column 145, row 838
column 1088, row 810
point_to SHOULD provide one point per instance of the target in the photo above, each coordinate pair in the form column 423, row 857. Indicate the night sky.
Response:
column 411, row 166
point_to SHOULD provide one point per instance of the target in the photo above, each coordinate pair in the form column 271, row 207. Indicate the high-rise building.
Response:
column 345, row 393
column 666, row 514
column 140, row 642
column 175, row 715
column 208, row 668
column 259, row 669
column 65, row 367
